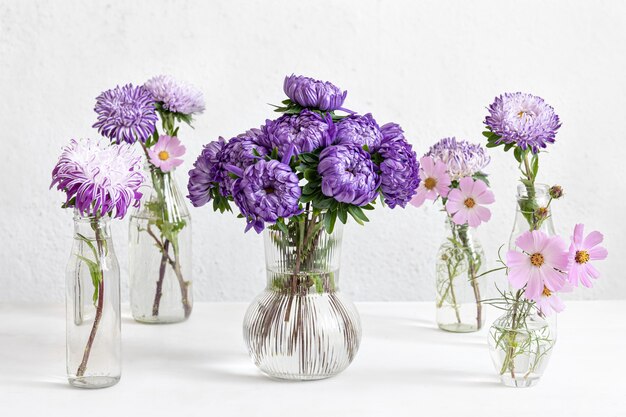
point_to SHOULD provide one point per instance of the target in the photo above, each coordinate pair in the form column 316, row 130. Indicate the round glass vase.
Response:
column 93, row 324
column 520, row 343
column 160, row 253
column 301, row 327
column 460, row 262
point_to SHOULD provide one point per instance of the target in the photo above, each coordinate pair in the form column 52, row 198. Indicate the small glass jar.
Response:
column 93, row 345
column 301, row 327
column 160, row 254
column 460, row 262
column 520, row 345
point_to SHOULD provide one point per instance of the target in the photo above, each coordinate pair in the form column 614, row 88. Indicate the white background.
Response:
column 432, row 66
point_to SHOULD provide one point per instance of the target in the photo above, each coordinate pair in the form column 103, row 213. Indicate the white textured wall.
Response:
column 432, row 66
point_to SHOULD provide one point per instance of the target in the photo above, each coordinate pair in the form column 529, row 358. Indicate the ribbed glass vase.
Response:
column 301, row 327
column 93, row 346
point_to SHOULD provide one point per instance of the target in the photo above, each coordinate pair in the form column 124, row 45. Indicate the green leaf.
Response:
column 329, row 221
column 517, row 153
column 358, row 214
column 534, row 165
column 342, row 213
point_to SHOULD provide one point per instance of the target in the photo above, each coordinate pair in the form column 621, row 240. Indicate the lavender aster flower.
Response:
column 315, row 94
column 242, row 151
column 98, row 178
column 359, row 131
column 308, row 131
column 523, row 119
column 399, row 170
column 175, row 96
column 126, row 114
column 206, row 174
column 348, row 175
column 463, row 159
column 267, row 190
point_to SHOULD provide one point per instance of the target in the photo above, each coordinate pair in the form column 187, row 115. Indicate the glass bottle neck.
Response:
column 459, row 232
column 92, row 227
column 164, row 199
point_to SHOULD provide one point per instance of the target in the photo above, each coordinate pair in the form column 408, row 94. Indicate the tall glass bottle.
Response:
column 301, row 327
column 460, row 262
column 160, row 254
column 93, row 345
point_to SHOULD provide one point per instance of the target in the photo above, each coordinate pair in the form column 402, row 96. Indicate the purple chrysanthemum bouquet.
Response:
column 101, row 181
column 452, row 172
column 298, row 178
column 130, row 114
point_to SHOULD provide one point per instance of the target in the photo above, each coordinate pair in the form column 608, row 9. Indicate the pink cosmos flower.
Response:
column 539, row 265
column 164, row 154
column 549, row 302
column 581, row 251
column 435, row 180
column 465, row 204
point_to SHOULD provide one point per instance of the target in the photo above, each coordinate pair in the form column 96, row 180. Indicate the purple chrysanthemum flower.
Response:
column 206, row 174
column 308, row 131
column 266, row 191
column 176, row 96
column 315, row 94
column 242, row 151
column 523, row 119
column 359, row 131
column 98, row 178
column 463, row 159
column 399, row 170
column 348, row 175
column 126, row 114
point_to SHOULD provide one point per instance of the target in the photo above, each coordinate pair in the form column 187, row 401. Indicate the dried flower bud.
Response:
column 556, row 192
column 542, row 213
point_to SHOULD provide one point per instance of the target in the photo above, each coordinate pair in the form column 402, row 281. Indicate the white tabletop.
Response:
column 405, row 367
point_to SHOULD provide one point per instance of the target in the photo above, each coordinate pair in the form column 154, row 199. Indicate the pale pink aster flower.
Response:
column 466, row 203
column 435, row 181
column 540, row 263
column 581, row 251
column 166, row 152
column 549, row 302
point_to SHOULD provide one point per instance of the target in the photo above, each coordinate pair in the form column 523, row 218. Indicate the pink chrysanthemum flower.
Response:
column 166, row 152
column 539, row 265
column 435, row 181
column 581, row 251
column 466, row 203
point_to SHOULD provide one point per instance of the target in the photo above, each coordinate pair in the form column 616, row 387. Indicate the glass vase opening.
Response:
column 93, row 324
column 301, row 327
column 460, row 262
column 160, row 254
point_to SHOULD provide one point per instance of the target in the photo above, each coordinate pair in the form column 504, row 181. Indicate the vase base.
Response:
column 519, row 382
column 159, row 319
column 297, row 377
column 458, row 327
column 93, row 382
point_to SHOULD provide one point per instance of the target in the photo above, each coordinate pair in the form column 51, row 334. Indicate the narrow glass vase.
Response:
column 460, row 262
column 160, row 254
column 301, row 327
column 93, row 345
column 520, row 343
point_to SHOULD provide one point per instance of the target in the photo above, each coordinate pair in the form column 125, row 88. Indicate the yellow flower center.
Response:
column 546, row 291
column 164, row 155
column 469, row 202
column 430, row 183
column 521, row 114
column 536, row 259
column 582, row 257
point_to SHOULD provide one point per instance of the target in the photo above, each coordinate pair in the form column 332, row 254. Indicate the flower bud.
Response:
column 542, row 213
column 556, row 192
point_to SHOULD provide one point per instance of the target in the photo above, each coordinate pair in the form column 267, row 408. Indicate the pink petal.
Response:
column 598, row 253
column 483, row 213
column 466, row 185
column 472, row 218
column 577, row 238
column 485, row 197
column 427, row 164
column 456, row 196
column 591, row 271
column 515, row 258
column 419, row 197
column 573, row 274
column 518, row 276
column 526, row 242
column 552, row 279
column 594, row 238
column 452, row 206
column 460, row 217
column 534, row 288
column 556, row 303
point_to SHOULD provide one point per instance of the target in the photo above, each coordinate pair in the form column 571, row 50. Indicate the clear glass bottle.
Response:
column 160, row 253
column 520, row 345
column 93, row 345
column 528, row 217
column 301, row 327
column 460, row 261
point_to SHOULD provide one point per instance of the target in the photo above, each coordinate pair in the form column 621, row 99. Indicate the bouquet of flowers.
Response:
column 539, row 265
column 452, row 173
column 129, row 114
column 100, row 181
